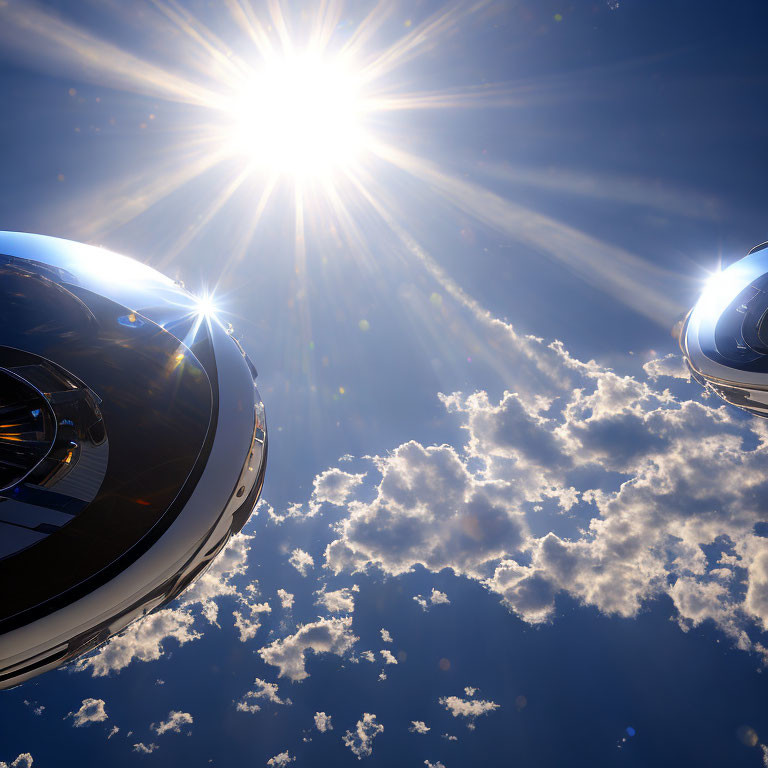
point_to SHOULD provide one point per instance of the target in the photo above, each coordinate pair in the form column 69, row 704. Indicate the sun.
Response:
column 299, row 114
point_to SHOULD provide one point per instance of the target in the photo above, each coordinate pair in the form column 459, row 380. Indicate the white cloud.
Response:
column 176, row 720
column 650, row 474
column 333, row 487
column 217, row 581
column 337, row 601
column 322, row 636
column 418, row 726
column 281, row 760
column 438, row 764
column 144, row 749
column 295, row 510
column 382, row 676
column 670, row 365
column 302, row 561
column 323, row 722
column 468, row 708
column 470, row 691
column 115, row 730
column 22, row 761
column 429, row 510
column 263, row 690
column 449, row 737
column 248, row 620
column 286, row 599
column 368, row 656
column 436, row 598
column 361, row 740
column 385, row 636
column 143, row 641
column 91, row 711
column 388, row 657
column 439, row 598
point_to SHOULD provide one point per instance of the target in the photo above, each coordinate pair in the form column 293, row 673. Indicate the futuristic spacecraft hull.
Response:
column 724, row 339
column 132, row 446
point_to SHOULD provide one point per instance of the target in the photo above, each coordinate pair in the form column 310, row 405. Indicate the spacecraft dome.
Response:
column 724, row 339
column 133, row 444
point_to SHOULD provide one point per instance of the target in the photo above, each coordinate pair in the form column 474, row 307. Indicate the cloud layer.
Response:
column 644, row 493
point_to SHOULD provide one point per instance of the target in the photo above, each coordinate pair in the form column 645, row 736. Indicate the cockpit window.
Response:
column 27, row 428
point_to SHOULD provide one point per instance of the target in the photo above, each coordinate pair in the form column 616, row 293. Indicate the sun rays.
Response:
column 306, row 100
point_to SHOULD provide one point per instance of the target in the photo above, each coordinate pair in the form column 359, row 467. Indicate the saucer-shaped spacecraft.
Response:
column 132, row 446
column 725, row 336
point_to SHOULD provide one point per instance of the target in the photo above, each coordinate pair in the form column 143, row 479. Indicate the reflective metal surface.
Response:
column 135, row 445
column 725, row 337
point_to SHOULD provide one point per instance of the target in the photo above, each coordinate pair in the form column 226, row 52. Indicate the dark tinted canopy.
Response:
column 154, row 398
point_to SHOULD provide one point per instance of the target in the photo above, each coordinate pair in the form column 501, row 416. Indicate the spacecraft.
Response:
column 724, row 339
column 133, row 444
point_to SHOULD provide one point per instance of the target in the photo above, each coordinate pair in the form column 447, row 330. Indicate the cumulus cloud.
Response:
column 322, row 636
column 385, row 636
column 418, row 726
column 330, row 487
column 22, row 761
column 175, row 722
column 144, row 749
column 263, row 691
column 429, row 510
column 286, row 599
column 333, row 487
column 658, row 482
column 302, row 561
column 436, row 598
column 218, row 580
column 281, row 760
column 670, row 365
column 337, row 601
column 438, row 764
column 388, row 657
column 360, row 741
column 144, row 640
column 468, row 708
column 248, row 619
column 91, row 711
column 323, row 722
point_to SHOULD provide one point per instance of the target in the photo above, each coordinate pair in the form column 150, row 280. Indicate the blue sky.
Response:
column 482, row 438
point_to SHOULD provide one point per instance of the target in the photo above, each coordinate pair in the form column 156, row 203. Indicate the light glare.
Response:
column 299, row 114
column 205, row 307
